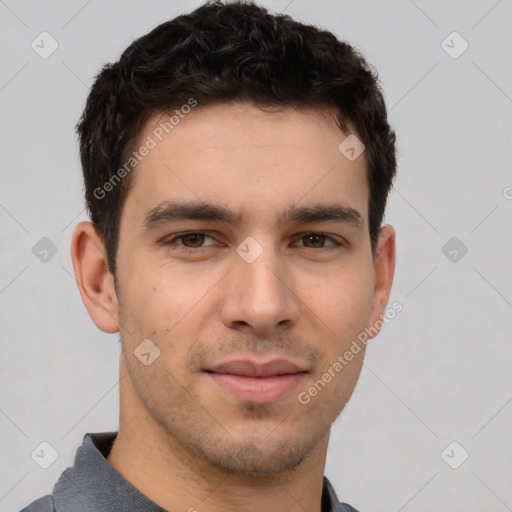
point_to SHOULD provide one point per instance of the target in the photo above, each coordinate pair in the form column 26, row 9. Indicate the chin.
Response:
column 264, row 456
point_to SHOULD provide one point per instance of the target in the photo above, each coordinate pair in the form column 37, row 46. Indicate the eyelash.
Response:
column 184, row 248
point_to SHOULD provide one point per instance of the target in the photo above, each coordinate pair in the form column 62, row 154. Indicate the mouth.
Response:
column 254, row 382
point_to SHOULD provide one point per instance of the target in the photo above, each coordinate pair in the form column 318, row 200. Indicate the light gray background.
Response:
column 439, row 372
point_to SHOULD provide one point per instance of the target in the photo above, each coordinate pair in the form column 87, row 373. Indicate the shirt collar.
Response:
column 92, row 484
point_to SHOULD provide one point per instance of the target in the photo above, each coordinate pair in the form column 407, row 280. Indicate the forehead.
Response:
column 256, row 161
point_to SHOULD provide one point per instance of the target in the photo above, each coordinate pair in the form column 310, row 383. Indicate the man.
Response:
column 237, row 166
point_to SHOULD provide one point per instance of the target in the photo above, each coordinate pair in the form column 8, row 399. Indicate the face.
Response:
column 244, row 257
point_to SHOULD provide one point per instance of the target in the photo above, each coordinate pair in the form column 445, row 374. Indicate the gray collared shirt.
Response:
column 93, row 485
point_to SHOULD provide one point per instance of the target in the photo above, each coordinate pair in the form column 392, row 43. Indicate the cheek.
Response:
column 344, row 301
column 166, row 309
column 148, row 308
column 153, row 291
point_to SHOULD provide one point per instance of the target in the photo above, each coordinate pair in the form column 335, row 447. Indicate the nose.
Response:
column 259, row 296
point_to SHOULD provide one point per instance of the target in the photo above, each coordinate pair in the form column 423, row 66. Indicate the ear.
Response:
column 94, row 280
column 384, row 270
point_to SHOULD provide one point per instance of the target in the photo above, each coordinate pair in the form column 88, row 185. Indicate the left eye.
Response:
column 195, row 240
column 317, row 240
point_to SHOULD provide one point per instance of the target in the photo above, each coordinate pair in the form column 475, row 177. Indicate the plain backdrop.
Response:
column 439, row 373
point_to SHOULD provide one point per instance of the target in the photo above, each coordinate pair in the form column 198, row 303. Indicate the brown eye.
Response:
column 189, row 241
column 317, row 241
column 193, row 240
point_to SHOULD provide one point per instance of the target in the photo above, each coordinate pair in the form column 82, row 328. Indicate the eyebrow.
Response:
column 171, row 211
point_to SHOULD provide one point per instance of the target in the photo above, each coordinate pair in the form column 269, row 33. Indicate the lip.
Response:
column 251, row 368
column 255, row 382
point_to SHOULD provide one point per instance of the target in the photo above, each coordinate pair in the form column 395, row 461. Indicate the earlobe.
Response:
column 95, row 282
column 384, row 267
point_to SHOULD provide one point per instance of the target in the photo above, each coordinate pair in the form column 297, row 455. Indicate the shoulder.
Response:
column 44, row 504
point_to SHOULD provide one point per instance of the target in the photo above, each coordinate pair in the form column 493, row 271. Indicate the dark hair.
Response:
column 224, row 53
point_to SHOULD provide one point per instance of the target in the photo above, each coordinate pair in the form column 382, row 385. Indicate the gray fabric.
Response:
column 93, row 485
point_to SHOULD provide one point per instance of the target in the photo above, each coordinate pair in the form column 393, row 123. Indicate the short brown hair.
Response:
column 223, row 53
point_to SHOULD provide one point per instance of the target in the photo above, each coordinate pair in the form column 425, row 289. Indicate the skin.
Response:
column 183, row 441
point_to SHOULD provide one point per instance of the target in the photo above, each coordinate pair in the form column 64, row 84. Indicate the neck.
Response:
column 176, row 479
